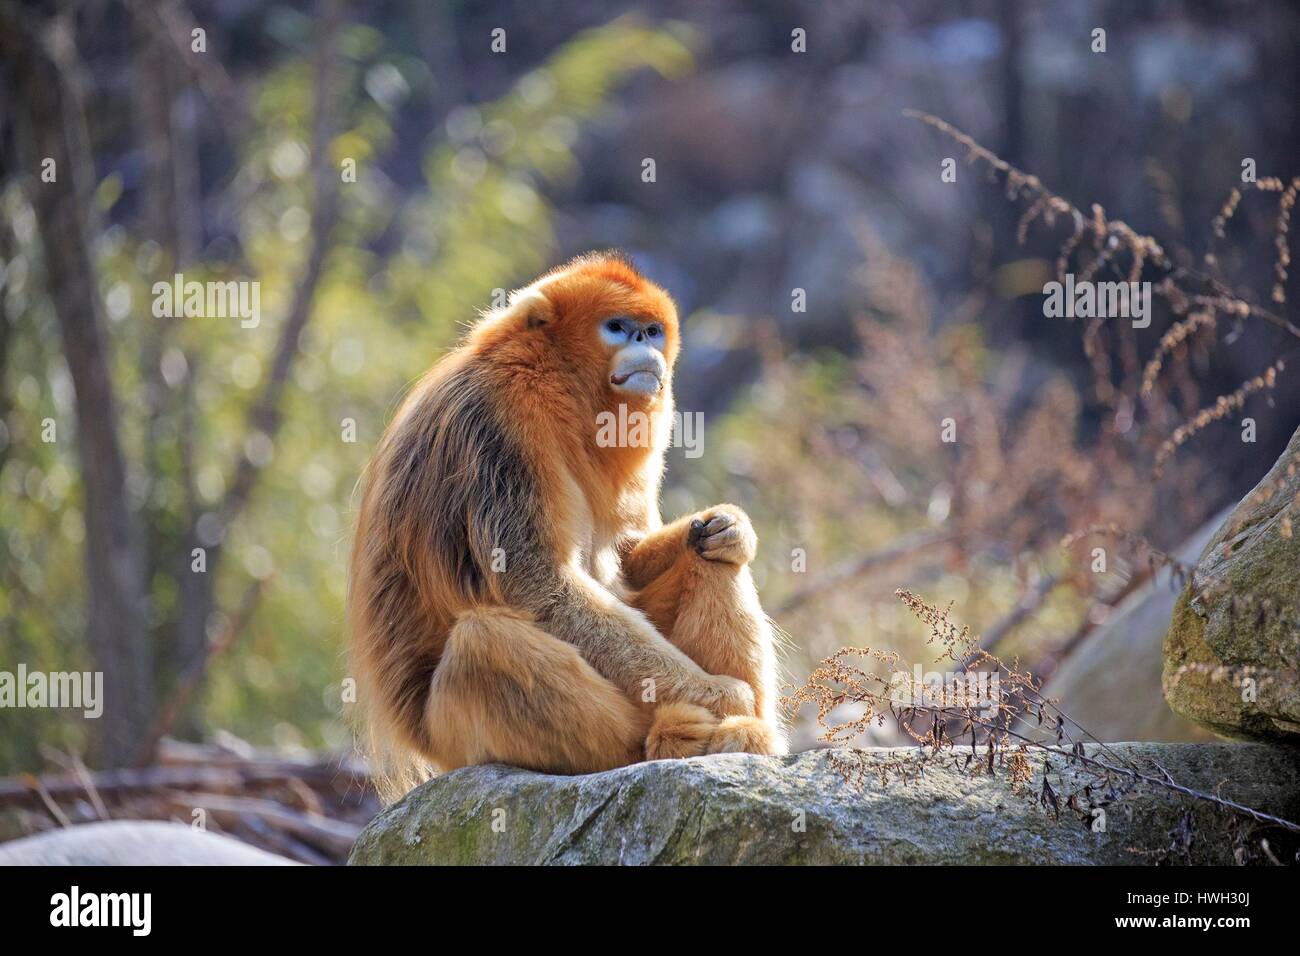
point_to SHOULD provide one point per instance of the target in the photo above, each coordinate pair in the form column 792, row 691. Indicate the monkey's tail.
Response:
column 383, row 728
column 393, row 674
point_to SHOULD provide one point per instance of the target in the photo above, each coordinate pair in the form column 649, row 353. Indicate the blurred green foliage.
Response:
column 404, row 271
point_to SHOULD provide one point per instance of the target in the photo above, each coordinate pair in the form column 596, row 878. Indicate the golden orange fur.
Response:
column 515, row 596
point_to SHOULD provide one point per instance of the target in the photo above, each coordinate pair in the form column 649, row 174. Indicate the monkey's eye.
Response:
column 614, row 325
column 654, row 331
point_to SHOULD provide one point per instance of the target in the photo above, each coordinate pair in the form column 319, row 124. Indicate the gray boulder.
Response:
column 1232, row 652
column 745, row 809
column 133, row 843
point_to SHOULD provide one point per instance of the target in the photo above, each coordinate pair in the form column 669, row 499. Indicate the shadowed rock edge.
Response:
column 746, row 809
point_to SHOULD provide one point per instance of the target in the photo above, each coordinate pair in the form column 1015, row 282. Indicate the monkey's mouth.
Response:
column 641, row 379
column 637, row 380
column 638, row 370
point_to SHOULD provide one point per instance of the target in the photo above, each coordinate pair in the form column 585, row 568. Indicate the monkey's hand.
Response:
column 722, row 533
column 724, row 696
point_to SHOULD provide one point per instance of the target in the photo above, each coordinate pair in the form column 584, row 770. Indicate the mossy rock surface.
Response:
column 1232, row 652
column 746, row 809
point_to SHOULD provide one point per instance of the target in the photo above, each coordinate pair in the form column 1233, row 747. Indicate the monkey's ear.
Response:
column 531, row 309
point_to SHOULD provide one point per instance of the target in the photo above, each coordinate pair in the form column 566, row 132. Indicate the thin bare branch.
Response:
column 906, row 548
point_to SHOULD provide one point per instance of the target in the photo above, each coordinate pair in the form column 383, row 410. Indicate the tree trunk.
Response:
column 39, row 67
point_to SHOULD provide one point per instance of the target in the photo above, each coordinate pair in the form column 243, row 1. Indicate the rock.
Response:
column 1107, row 684
column 741, row 808
column 134, row 843
column 1239, row 620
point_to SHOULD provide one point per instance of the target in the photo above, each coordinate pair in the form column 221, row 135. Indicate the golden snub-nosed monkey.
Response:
column 515, row 596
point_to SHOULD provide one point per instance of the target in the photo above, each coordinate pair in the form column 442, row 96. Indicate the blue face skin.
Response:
column 638, row 366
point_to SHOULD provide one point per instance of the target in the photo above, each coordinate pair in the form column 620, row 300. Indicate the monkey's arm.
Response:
column 647, row 558
column 721, row 533
column 622, row 645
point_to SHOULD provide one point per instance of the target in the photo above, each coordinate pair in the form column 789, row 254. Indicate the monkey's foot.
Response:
column 750, row 735
column 679, row 730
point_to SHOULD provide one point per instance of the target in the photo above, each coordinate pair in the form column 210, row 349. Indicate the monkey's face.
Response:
column 603, row 322
column 635, row 347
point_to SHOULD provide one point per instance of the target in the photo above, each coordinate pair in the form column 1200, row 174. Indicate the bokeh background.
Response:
column 775, row 171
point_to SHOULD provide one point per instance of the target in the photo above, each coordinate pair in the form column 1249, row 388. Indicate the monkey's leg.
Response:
column 718, row 621
column 506, row 691
column 693, row 582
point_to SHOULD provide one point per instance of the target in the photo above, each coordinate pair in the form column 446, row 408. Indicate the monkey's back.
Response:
column 448, row 520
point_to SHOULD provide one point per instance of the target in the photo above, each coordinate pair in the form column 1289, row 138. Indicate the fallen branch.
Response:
column 309, row 808
column 334, row 836
column 26, row 788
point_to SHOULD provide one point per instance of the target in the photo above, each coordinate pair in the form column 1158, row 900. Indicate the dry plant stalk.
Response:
column 1223, row 406
column 1098, row 242
column 1019, row 476
column 1196, row 300
column 1007, row 727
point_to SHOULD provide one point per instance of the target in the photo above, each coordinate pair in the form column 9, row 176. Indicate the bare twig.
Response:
column 33, row 784
column 1127, row 769
column 172, row 27
column 1049, row 664
column 265, row 414
column 905, row 548
column 92, row 792
column 196, row 671
column 1025, row 608
column 1045, row 203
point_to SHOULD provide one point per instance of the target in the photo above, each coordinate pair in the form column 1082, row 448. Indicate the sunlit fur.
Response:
column 607, row 638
